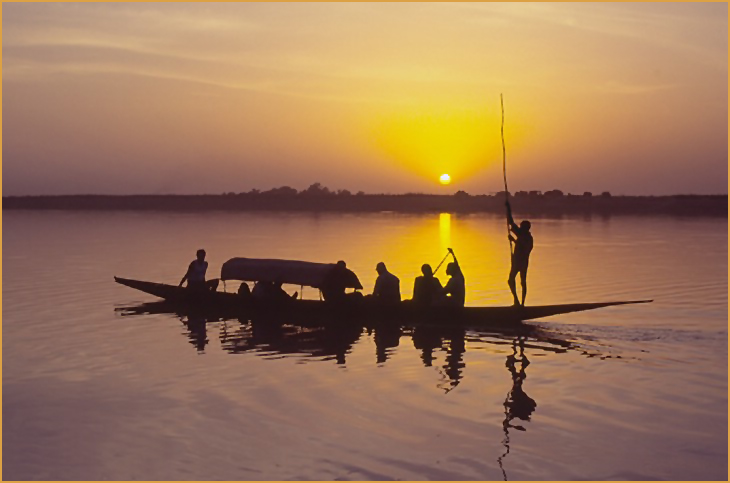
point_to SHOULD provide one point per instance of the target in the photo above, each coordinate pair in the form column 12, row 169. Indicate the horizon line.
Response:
column 361, row 193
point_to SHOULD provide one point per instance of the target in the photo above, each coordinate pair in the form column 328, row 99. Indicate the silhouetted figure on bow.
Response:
column 387, row 286
column 521, row 256
column 427, row 289
column 195, row 275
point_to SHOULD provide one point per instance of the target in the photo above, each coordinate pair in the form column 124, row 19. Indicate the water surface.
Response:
column 91, row 392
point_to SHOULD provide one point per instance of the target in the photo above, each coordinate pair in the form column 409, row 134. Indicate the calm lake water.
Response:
column 636, row 392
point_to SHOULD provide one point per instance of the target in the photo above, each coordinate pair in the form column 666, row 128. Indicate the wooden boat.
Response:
column 222, row 304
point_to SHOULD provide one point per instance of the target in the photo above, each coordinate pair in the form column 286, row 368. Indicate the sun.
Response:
column 445, row 179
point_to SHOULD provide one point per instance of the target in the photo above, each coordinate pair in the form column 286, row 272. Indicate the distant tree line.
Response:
column 316, row 189
column 319, row 198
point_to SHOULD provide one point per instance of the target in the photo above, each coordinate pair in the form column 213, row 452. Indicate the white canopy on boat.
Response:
column 285, row 271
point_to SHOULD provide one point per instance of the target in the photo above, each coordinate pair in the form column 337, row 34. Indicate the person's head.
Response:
column 200, row 254
column 380, row 268
column 427, row 270
column 452, row 269
column 341, row 264
column 525, row 225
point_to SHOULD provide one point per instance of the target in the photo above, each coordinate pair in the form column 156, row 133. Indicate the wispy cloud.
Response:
column 613, row 87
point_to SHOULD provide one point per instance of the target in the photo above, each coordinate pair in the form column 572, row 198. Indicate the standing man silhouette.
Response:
column 196, row 272
column 521, row 256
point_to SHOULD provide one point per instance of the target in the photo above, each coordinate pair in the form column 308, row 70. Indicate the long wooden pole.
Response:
column 504, row 168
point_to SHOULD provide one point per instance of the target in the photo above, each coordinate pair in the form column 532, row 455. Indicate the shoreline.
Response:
column 529, row 204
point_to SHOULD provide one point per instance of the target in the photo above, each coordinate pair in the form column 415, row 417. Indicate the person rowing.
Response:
column 521, row 256
column 455, row 289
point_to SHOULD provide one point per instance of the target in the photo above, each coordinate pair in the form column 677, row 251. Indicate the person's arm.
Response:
column 448, row 289
column 185, row 277
column 378, row 287
column 454, row 257
column 512, row 225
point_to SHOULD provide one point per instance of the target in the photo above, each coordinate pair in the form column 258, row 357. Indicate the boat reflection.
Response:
column 269, row 337
column 334, row 341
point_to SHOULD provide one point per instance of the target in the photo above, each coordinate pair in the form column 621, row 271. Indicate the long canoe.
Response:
column 230, row 304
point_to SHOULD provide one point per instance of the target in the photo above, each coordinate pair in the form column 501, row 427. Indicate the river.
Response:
column 93, row 391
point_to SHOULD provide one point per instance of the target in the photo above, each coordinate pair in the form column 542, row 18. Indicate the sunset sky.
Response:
column 127, row 98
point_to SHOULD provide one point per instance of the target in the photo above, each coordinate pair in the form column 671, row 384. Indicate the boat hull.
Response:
column 211, row 304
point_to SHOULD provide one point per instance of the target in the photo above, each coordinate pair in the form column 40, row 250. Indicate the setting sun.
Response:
column 445, row 179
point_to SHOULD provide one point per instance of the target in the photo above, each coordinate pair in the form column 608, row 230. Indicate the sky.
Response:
column 188, row 98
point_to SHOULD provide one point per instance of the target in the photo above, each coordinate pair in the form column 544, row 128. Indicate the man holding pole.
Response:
column 521, row 255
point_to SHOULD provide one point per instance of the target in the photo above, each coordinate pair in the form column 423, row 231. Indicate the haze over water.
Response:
column 635, row 392
column 190, row 98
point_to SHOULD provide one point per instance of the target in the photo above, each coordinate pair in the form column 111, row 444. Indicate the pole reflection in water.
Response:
column 517, row 404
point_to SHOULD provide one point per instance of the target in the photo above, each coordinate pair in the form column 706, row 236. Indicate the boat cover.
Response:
column 285, row 271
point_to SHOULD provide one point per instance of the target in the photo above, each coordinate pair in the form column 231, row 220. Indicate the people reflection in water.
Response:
column 427, row 289
column 521, row 255
column 517, row 404
column 197, row 332
column 454, row 364
column 387, row 286
column 387, row 336
column 426, row 339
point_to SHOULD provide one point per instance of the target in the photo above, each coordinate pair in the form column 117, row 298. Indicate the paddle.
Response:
column 504, row 171
column 449, row 252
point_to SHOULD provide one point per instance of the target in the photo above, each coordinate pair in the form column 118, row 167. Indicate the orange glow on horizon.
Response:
column 438, row 143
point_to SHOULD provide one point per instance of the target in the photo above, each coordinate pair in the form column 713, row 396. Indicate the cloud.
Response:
column 615, row 87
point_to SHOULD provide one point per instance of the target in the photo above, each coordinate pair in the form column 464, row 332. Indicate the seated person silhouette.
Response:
column 244, row 291
column 278, row 293
column 270, row 292
column 455, row 289
column 427, row 289
column 387, row 286
column 335, row 283
column 261, row 290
